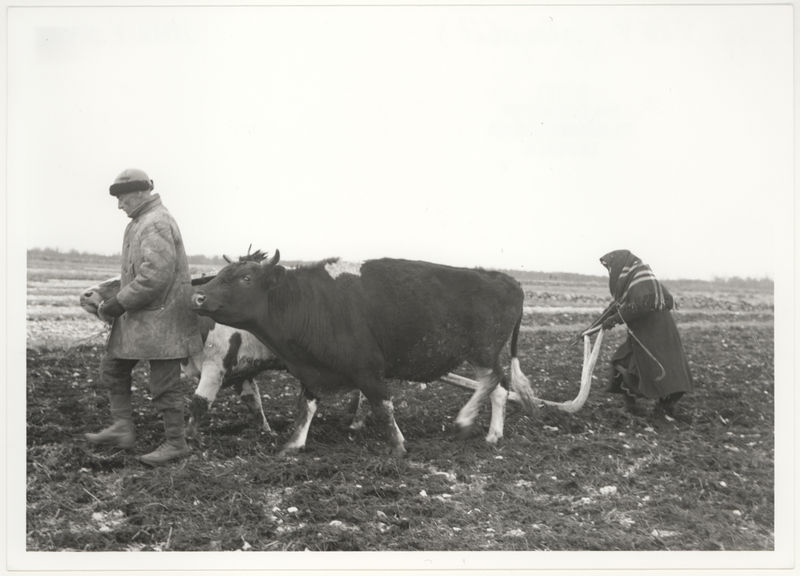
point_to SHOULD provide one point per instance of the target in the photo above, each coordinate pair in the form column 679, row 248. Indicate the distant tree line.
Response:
column 748, row 282
column 58, row 254
column 79, row 256
column 734, row 282
column 203, row 259
column 555, row 277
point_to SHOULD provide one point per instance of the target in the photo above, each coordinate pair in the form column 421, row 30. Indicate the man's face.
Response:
column 131, row 201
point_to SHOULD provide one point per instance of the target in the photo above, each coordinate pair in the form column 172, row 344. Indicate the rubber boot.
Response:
column 120, row 433
column 174, row 446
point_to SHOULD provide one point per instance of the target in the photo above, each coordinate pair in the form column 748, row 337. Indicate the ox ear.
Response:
column 273, row 272
column 274, row 276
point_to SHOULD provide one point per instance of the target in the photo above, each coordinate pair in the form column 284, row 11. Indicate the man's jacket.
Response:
column 155, row 290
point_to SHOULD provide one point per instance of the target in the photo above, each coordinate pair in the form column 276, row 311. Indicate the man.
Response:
column 152, row 319
column 651, row 362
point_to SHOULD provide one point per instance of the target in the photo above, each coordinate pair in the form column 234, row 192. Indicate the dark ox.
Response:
column 338, row 328
column 229, row 358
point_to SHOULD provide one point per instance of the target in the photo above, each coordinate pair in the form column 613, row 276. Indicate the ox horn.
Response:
column 228, row 260
column 276, row 256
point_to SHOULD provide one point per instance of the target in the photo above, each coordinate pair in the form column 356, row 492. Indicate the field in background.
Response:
column 559, row 301
column 597, row 480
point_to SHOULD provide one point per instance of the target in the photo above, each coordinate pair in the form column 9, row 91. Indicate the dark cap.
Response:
column 131, row 180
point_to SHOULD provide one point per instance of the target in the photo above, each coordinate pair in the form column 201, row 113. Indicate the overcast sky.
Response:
column 534, row 138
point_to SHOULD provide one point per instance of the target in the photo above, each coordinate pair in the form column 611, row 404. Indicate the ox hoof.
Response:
column 264, row 427
column 465, row 431
column 493, row 439
column 289, row 451
column 399, row 452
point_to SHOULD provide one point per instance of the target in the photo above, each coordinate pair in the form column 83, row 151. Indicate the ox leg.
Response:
column 384, row 411
column 487, row 382
column 307, row 407
column 498, row 397
column 358, row 409
column 251, row 396
column 203, row 398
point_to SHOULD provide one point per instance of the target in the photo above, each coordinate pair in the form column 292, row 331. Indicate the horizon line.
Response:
column 219, row 258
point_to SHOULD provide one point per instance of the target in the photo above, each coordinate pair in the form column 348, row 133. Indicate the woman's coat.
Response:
column 644, row 304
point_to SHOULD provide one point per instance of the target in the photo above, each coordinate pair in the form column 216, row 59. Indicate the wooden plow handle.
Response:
column 590, row 355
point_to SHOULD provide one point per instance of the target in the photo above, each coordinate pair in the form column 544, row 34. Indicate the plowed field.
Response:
column 600, row 479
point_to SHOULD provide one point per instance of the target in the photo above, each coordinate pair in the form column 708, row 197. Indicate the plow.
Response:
column 591, row 351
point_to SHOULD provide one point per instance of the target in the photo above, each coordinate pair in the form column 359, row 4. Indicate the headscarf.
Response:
column 633, row 285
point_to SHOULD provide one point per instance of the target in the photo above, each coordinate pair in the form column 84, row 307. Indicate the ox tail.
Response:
column 519, row 382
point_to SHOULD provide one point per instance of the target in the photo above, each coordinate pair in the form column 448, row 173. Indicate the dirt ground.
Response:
column 601, row 479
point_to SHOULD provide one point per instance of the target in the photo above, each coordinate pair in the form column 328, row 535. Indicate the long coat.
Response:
column 665, row 374
column 155, row 290
column 653, row 352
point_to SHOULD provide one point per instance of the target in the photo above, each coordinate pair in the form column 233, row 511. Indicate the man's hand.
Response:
column 110, row 309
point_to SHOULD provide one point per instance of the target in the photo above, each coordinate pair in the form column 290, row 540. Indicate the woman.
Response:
column 651, row 362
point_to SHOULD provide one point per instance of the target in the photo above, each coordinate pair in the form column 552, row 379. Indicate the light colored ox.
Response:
column 229, row 357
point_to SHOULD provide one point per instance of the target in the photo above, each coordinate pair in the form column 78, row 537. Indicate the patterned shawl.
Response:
column 633, row 285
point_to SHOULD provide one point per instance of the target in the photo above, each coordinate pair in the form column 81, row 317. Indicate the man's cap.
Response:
column 131, row 180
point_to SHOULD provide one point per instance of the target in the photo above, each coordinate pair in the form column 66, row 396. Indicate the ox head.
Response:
column 239, row 289
column 92, row 297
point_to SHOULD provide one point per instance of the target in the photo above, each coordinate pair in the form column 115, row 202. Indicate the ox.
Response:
column 339, row 329
column 230, row 357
